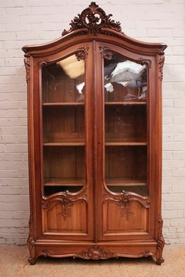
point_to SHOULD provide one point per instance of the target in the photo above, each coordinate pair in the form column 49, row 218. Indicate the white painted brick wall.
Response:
column 37, row 21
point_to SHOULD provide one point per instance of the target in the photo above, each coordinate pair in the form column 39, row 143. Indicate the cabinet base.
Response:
column 98, row 251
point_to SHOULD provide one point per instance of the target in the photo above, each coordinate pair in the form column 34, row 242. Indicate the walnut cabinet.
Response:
column 94, row 137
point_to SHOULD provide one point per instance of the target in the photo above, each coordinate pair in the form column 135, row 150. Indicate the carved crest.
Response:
column 93, row 20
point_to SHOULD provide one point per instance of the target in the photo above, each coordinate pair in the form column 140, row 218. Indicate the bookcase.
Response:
column 94, row 138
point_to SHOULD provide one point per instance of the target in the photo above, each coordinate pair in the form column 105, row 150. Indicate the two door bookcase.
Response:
column 94, row 137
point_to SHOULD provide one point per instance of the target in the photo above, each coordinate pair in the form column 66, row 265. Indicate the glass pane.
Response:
column 63, row 81
column 63, row 126
column 124, row 80
column 125, row 168
column 125, row 89
column 64, row 168
column 125, row 123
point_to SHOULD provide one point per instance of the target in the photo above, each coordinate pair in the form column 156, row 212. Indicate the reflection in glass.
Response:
column 127, row 76
column 63, row 81
column 63, row 126
column 125, row 84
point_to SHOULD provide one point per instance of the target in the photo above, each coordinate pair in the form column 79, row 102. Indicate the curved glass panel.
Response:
column 125, row 89
column 63, row 126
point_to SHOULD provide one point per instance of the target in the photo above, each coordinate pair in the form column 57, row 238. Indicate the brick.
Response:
column 8, row 3
column 13, row 182
column 170, row 164
column 179, row 155
column 172, row 214
column 178, row 222
column 179, row 137
column 178, row 172
column 174, row 146
column 167, row 137
column 178, row 103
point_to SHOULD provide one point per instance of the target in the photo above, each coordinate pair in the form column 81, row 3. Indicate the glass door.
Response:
column 63, row 126
column 125, row 208
column 65, row 204
column 125, row 90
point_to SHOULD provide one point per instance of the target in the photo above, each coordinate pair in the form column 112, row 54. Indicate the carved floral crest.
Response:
column 93, row 19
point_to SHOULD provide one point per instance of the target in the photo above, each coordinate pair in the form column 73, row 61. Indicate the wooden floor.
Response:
column 13, row 263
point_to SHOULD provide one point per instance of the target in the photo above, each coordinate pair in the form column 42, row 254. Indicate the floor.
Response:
column 13, row 263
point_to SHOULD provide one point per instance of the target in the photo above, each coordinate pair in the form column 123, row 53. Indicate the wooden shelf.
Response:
column 49, row 144
column 137, row 102
column 63, row 104
column 71, row 182
column 112, row 140
column 125, row 182
column 127, row 143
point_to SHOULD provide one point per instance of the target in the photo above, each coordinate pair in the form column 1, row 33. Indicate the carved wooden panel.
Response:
column 124, row 219
column 65, row 213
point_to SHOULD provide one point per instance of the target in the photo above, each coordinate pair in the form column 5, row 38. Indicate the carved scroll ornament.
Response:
column 146, row 62
column 31, row 242
column 160, row 241
column 106, row 52
column 96, row 253
column 93, row 20
column 161, row 64
column 65, row 199
column 124, row 200
column 82, row 53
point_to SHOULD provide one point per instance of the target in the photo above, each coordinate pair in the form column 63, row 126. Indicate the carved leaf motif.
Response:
column 66, row 211
column 161, row 64
column 82, row 53
column 27, row 67
column 106, row 52
column 124, row 200
column 93, row 19
column 96, row 253
column 31, row 242
column 126, row 212
column 65, row 199
column 42, row 63
column 160, row 241
column 146, row 61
